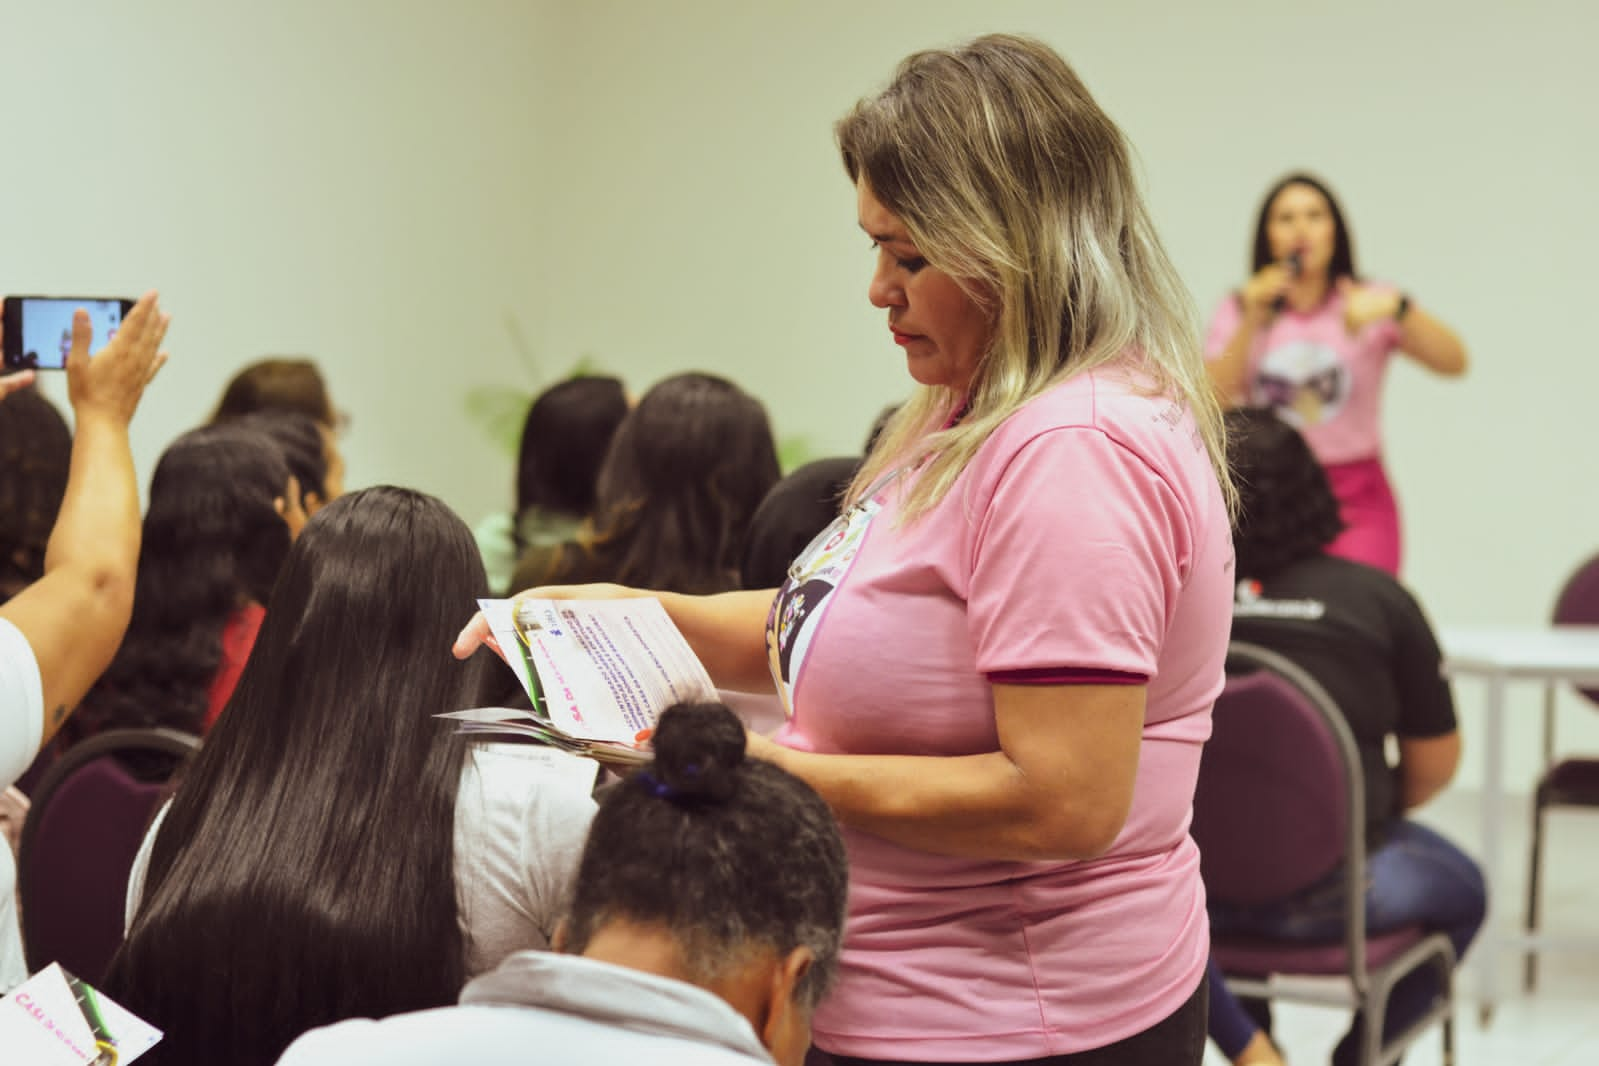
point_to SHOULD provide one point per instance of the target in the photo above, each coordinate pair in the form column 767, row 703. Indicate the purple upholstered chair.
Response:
column 1573, row 781
column 1280, row 806
column 84, row 826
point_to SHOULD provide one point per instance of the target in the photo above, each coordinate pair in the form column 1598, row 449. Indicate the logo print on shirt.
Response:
column 1305, row 382
column 797, row 609
column 1249, row 602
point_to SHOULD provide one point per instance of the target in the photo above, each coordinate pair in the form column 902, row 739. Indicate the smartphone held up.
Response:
column 38, row 329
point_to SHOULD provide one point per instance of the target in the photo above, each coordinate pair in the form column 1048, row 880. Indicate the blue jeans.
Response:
column 1416, row 878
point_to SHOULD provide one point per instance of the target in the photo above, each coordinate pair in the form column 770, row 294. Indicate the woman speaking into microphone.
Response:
column 1308, row 337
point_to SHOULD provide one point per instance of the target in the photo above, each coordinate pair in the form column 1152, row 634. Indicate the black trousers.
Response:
column 1177, row 1040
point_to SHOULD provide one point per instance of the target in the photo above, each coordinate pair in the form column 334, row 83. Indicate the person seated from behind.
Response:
column 318, row 470
column 280, row 383
column 797, row 508
column 58, row 634
column 289, row 384
column 1364, row 638
column 565, row 436
column 35, row 454
column 704, row 928
column 685, row 473
column 215, row 533
column 336, row 850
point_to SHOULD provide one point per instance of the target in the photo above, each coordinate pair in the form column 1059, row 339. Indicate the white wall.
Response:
column 700, row 218
column 354, row 181
column 404, row 189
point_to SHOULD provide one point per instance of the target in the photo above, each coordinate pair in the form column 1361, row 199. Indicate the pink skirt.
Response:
column 1370, row 512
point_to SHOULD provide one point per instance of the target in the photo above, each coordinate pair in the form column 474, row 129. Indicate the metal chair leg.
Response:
column 1373, row 1020
column 1534, row 870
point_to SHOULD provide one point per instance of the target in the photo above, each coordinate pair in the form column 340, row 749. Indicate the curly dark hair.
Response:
column 691, row 843
column 213, row 541
column 1286, row 508
column 686, row 471
column 35, row 454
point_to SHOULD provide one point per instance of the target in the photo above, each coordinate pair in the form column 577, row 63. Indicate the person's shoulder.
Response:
column 1226, row 307
column 518, row 773
column 21, row 702
column 1092, row 399
column 1350, row 573
column 420, row 1038
column 494, row 527
column 1336, row 571
column 1347, row 581
column 1121, row 404
column 473, row 1033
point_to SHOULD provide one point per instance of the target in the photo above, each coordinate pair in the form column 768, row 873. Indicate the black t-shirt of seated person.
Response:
column 1365, row 639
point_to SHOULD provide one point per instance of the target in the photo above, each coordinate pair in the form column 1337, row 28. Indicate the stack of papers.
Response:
column 599, row 673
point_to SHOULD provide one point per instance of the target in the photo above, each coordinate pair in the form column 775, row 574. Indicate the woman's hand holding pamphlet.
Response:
column 599, row 673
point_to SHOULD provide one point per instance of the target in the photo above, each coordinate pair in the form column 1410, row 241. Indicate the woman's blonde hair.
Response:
column 1012, row 180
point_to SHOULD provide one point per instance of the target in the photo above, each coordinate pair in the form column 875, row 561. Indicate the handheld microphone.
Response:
column 1296, row 265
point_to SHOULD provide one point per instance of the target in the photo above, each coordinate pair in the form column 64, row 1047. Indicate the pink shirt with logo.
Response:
column 1321, row 379
column 1088, row 536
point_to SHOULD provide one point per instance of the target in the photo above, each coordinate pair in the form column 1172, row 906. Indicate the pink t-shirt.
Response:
column 1320, row 379
column 1087, row 534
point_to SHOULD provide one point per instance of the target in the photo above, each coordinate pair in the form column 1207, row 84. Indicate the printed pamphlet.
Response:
column 599, row 673
column 54, row 1019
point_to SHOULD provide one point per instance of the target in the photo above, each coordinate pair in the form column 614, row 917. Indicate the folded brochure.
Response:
column 599, row 673
column 54, row 1019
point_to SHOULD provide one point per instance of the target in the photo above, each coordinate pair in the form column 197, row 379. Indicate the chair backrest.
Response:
column 1280, row 800
column 1578, row 605
column 84, row 827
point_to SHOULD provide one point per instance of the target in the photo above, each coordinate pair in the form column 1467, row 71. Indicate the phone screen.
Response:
column 47, row 330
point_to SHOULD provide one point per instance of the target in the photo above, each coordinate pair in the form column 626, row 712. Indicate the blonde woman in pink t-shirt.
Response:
column 1001, row 659
column 1307, row 336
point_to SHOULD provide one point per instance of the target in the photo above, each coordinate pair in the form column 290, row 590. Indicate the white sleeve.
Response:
column 141, row 866
column 553, row 842
column 21, row 704
column 518, row 809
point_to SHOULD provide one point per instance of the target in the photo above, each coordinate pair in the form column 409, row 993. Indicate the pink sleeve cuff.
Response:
column 1066, row 675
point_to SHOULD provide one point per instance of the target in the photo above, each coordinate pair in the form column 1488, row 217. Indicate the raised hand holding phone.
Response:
column 38, row 329
column 110, row 383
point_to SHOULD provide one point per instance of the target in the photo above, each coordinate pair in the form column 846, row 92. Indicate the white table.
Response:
column 1498, row 655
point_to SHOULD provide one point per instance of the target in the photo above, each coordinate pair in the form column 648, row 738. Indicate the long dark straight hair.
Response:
column 1342, row 264
column 685, row 473
column 305, row 870
column 213, row 541
column 564, row 440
